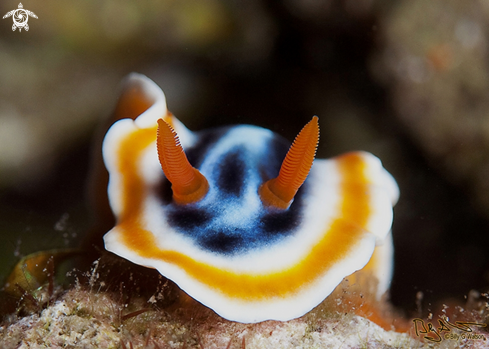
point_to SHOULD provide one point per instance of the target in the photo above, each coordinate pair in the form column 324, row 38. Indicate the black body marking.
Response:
column 231, row 174
column 186, row 217
column 205, row 140
column 223, row 242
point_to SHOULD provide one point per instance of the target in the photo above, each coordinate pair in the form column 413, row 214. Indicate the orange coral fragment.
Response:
column 188, row 184
column 280, row 191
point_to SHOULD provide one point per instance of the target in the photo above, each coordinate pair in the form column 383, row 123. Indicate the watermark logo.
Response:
column 447, row 330
column 20, row 17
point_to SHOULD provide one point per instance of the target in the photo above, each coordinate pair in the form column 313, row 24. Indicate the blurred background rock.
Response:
column 406, row 80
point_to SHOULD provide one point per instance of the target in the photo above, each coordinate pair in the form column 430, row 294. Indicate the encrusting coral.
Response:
column 93, row 316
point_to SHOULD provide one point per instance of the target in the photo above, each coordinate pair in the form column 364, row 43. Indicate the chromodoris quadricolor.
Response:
column 242, row 221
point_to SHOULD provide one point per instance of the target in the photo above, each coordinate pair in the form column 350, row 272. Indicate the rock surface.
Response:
column 84, row 318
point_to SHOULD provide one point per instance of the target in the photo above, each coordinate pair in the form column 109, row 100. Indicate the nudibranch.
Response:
column 244, row 223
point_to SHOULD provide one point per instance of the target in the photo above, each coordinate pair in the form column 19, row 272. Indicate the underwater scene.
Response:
column 230, row 174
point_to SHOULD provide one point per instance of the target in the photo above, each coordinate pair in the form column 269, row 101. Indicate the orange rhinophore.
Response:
column 280, row 191
column 188, row 184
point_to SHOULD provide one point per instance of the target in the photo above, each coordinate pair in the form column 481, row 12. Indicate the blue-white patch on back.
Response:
column 231, row 218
